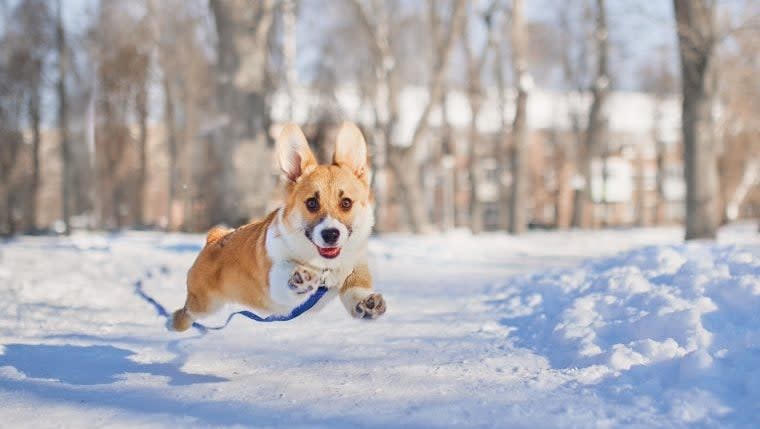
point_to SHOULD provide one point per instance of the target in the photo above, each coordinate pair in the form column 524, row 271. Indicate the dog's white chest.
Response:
column 279, row 291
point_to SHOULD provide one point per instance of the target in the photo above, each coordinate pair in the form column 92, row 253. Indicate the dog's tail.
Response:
column 215, row 233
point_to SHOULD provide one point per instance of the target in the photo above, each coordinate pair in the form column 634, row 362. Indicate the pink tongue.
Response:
column 329, row 252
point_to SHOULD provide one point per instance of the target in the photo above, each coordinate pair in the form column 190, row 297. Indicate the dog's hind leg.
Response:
column 198, row 304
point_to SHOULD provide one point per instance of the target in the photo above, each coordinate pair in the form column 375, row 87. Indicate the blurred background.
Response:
column 484, row 114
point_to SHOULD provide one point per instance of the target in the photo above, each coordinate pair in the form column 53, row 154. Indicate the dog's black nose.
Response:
column 330, row 235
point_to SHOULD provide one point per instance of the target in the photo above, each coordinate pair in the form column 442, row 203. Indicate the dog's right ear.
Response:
column 351, row 151
column 293, row 153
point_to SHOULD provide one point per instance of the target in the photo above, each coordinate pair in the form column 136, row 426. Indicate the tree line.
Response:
column 181, row 93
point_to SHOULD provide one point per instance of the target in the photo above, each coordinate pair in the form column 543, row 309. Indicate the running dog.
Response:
column 318, row 237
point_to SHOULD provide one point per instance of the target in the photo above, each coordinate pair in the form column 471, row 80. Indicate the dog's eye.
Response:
column 346, row 203
column 312, row 204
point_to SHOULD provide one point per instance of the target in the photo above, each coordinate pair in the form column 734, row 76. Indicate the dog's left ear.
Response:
column 293, row 153
column 351, row 151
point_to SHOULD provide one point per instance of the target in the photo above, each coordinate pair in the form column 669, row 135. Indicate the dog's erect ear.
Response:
column 293, row 153
column 351, row 150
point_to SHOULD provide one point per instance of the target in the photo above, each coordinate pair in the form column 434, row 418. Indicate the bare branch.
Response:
column 439, row 70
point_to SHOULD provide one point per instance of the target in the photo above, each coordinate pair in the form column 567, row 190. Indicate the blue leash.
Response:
column 299, row 310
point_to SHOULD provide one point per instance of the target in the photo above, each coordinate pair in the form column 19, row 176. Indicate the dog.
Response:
column 318, row 237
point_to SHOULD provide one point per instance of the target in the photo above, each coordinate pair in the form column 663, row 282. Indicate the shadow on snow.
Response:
column 90, row 365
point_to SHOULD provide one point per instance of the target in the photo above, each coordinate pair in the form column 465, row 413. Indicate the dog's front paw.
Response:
column 371, row 307
column 303, row 281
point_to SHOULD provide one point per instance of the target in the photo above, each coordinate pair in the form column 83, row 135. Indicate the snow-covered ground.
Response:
column 551, row 329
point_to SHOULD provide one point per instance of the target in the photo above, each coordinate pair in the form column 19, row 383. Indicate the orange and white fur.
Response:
column 319, row 236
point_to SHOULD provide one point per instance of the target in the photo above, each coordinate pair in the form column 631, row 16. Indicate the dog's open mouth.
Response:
column 329, row 252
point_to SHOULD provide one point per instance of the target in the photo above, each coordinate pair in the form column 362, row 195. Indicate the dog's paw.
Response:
column 371, row 307
column 303, row 280
column 180, row 321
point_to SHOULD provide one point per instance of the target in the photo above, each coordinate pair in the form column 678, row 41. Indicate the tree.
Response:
column 596, row 125
column 517, row 218
column 658, row 80
column 402, row 160
column 738, row 124
column 35, row 20
column 170, row 120
column 118, row 38
column 141, row 107
column 28, row 42
column 63, row 119
column 695, row 25
column 186, row 83
column 289, row 45
column 243, row 31
column 475, row 64
column 25, row 45
column 10, row 149
column 575, row 70
column 504, row 149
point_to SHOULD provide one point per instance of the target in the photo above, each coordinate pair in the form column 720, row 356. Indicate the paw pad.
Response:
column 370, row 307
column 303, row 281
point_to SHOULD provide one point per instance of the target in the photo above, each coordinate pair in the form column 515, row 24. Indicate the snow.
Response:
column 674, row 325
column 611, row 328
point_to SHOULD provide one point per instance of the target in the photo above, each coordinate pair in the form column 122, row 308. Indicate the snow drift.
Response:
column 672, row 327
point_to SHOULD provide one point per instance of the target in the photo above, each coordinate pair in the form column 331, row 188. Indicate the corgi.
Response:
column 318, row 237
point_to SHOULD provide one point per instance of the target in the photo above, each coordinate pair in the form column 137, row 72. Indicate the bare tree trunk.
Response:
column 242, row 61
column 141, row 103
column 475, row 64
column 641, row 192
column 407, row 172
column 659, row 149
column 92, row 161
column 417, row 213
column 289, row 51
column 596, row 128
column 750, row 178
column 34, row 116
column 63, row 121
column 695, row 20
column 171, row 143
column 605, row 155
column 383, row 104
column 10, row 208
column 573, row 68
column 474, row 96
column 517, row 218
column 386, row 112
column 435, row 176
column 12, row 141
column 476, row 207
column 564, row 173
column 581, row 178
column 661, row 210
column 402, row 160
column 584, row 215
column 504, row 146
column 189, row 147
column 448, row 170
column 661, row 85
